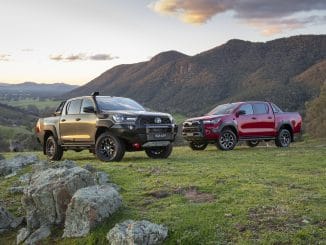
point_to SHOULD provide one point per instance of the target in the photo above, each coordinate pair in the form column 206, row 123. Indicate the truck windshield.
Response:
column 223, row 109
column 117, row 104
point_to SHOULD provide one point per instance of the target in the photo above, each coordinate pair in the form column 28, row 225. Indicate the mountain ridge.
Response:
column 237, row 70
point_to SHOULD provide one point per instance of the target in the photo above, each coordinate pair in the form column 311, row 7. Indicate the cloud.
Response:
column 4, row 57
column 102, row 57
column 82, row 57
column 271, row 16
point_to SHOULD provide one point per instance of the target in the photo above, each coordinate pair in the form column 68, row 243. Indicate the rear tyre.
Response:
column 53, row 150
column 283, row 138
column 109, row 148
column 197, row 146
column 252, row 143
column 159, row 152
column 227, row 140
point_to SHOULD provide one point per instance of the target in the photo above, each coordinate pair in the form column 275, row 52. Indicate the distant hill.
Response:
column 32, row 89
column 288, row 71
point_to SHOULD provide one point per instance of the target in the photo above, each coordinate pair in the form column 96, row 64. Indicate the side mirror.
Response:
column 89, row 109
column 241, row 112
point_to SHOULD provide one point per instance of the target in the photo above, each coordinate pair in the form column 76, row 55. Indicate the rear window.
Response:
column 276, row 109
column 260, row 108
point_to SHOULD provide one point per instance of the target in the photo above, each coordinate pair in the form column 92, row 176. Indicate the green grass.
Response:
column 26, row 102
column 9, row 132
column 263, row 195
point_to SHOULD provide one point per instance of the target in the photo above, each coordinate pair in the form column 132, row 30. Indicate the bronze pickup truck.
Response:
column 106, row 126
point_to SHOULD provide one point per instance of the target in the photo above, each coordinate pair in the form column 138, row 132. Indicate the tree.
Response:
column 316, row 115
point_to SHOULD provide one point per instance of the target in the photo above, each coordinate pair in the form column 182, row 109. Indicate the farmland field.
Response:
column 259, row 195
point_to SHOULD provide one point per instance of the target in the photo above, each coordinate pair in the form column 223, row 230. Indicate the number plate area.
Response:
column 159, row 133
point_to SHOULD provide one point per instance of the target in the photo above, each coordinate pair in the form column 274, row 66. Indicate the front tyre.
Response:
column 109, row 148
column 252, row 143
column 227, row 140
column 53, row 150
column 197, row 146
column 283, row 138
column 159, row 152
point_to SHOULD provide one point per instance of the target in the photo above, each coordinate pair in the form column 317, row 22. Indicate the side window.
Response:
column 247, row 108
column 58, row 111
column 260, row 108
column 86, row 103
column 73, row 107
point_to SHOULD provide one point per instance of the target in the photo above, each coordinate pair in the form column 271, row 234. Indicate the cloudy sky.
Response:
column 74, row 41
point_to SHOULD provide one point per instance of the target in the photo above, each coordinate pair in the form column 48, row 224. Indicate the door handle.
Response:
column 77, row 119
column 269, row 117
column 254, row 118
column 63, row 120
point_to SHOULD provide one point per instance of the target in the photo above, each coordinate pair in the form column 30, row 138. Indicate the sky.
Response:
column 74, row 41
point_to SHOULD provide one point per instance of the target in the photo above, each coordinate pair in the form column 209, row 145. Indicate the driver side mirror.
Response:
column 89, row 109
column 241, row 112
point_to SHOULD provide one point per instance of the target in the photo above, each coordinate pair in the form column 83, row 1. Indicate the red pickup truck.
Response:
column 251, row 121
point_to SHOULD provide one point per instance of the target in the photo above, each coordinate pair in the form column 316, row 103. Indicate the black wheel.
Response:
column 227, row 140
column 283, row 138
column 159, row 152
column 53, row 150
column 252, row 143
column 109, row 148
column 198, row 146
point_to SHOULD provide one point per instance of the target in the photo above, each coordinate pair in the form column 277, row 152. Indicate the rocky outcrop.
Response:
column 137, row 233
column 11, row 166
column 49, row 193
column 88, row 207
column 38, row 235
column 8, row 221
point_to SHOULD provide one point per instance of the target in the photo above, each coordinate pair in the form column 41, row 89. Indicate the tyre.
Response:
column 252, row 143
column 283, row 138
column 227, row 140
column 53, row 150
column 109, row 148
column 159, row 152
column 198, row 146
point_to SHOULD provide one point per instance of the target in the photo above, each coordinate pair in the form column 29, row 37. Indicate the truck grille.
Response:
column 144, row 120
column 192, row 127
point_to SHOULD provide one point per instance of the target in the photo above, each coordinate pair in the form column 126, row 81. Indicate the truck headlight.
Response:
column 123, row 118
column 212, row 121
column 171, row 119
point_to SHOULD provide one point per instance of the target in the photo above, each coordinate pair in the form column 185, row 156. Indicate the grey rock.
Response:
column 90, row 168
column 88, row 208
column 3, row 231
column 17, row 222
column 25, row 178
column 137, row 233
column 16, row 189
column 23, row 233
column 49, row 193
column 9, row 166
column 44, row 165
column 11, row 175
column 38, row 235
column 6, row 219
column 102, row 178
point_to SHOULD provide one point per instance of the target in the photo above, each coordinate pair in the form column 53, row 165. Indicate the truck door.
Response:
column 244, row 120
column 86, row 126
column 264, row 120
column 69, row 118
